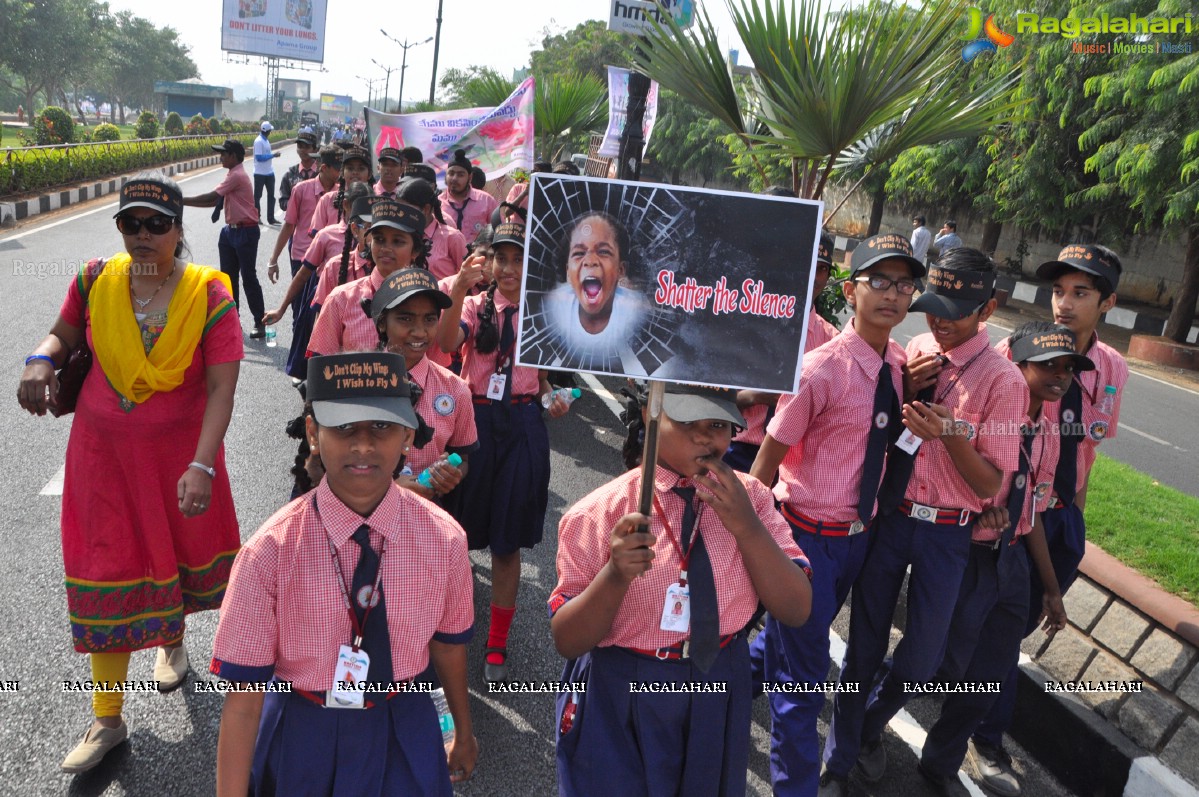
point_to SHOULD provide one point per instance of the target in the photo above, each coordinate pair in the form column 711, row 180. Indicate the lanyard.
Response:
column 961, row 372
column 341, row 582
column 684, row 559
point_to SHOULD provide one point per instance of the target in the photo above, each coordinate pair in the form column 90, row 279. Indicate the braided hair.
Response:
column 356, row 191
column 488, row 338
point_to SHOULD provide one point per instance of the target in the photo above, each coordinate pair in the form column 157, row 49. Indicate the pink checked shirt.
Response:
column 300, row 209
column 1042, row 466
column 477, row 368
column 325, row 212
column 284, row 614
column 827, row 425
column 447, row 252
column 476, row 212
column 329, row 272
column 238, row 194
column 327, row 242
column 342, row 324
column 583, row 550
column 820, row 332
column 444, row 405
column 989, row 400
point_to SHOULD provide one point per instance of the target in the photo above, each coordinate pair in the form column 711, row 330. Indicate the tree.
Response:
column 46, row 43
column 588, row 49
column 565, row 105
column 687, row 140
column 140, row 54
column 475, row 87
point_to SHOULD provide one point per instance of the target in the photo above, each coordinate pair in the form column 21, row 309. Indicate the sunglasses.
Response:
column 155, row 225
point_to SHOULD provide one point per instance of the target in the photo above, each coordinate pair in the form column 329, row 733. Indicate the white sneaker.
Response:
column 93, row 747
column 170, row 668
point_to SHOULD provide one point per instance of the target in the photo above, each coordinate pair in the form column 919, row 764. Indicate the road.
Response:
column 173, row 737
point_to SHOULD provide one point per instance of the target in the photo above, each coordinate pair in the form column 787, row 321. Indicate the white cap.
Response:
column 267, row 127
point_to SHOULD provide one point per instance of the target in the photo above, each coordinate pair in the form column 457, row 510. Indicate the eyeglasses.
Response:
column 155, row 225
column 878, row 282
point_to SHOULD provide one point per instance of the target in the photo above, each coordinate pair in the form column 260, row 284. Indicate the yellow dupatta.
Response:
column 117, row 338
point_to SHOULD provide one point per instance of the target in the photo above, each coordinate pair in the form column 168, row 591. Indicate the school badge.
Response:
column 367, row 597
column 1098, row 430
column 964, row 428
column 881, row 420
column 1021, row 480
column 1042, row 491
column 1067, row 416
column 444, row 404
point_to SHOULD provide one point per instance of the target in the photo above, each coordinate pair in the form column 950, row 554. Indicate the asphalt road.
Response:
column 173, row 737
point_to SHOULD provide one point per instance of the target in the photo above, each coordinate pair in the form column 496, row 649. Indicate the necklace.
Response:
column 143, row 303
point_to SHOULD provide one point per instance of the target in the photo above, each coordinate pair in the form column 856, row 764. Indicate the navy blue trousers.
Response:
column 785, row 655
column 237, row 248
column 1065, row 536
column 741, row 456
column 937, row 555
column 649, row 745
column 983, row 647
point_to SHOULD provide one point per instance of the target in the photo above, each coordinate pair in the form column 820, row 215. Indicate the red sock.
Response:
column 497, row 637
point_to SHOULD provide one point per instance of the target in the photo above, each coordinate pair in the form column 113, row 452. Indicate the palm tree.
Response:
column 858, row 86
column 565, row 105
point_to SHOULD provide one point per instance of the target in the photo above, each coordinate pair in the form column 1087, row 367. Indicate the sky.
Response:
column 473, row 32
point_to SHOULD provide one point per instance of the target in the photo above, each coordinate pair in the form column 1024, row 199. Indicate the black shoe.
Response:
column 872, row 761
column 272, row 222
column 833, row 785
column 991, row 766
column 946, row 785
column 258, row 333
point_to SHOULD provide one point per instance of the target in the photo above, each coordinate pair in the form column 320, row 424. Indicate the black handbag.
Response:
column 72, row 375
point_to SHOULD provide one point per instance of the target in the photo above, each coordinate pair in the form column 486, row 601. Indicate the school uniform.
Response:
column 329, row 273
column 828, row 425
column 471, row 214
column 930, row 532
column 503, row 497
column 447, row 250
column 327, row 242
column 446, row 285
column 284, row 617
column 325, row 212
column 744, row 448
column 653, row 744
column 300, row 208
column 445, row 405
column 342, row 324
column 993, row 602
column 1081, row 419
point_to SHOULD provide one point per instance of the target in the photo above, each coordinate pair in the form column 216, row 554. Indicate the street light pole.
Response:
column 436, row 49
column 404, row 65
column 387, row 85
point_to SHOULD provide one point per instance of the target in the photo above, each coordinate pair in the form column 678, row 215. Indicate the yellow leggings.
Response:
column 109, row 668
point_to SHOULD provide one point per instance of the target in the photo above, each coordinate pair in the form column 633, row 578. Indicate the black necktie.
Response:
column 885, row 402
column 501, row 410
column 900, row 463
column 705, row 612
column 1065, row 480
column 460, row 212
column 217, row 208
column 375, row 639
column 1015, row 496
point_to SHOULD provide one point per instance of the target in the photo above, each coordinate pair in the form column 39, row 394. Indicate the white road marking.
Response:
column 1164, row 382
column 54, row 486
column 1151, row 438
column 613, row 403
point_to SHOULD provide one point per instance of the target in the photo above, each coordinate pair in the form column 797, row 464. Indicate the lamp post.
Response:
column 404, row 64
column 387, row 84
column 370, row 88
column 436, row 49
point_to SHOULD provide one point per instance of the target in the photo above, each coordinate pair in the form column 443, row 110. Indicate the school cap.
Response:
column 954, row 294
column 390, row 154
column 361, row 209
column 308, row 138
column 356, row 152
column 509, row 233
column 881, row 247
column 688, row 403
column 402, row 286
column 460, row 160
column 233, row 147
column 267, row 127
column 330, row 156
column 825, row 253
column 360, row 386
column 386, row 212
column 1090, row 259
column 421, row 170
column 412, row 154
column 1049, row 345
column 150, row 194
column 420, row 192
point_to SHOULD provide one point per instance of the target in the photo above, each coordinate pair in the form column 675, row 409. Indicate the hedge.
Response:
column 32, row 169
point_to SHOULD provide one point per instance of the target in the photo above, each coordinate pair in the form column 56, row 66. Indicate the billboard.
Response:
column 284, row 28
column 336, row 103
column 298, row 90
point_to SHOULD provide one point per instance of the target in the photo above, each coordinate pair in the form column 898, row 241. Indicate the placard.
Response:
column 670, row 283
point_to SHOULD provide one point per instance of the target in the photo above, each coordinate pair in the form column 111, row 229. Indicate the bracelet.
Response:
column 45, row 357
column 201, row 466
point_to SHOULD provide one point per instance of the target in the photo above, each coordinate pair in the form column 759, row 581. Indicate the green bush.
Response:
column 214, row 126
column 196, row 126
column 228, row 127
column 106, row 132
column 147, row 125
column 53, row 126
column 174, row 124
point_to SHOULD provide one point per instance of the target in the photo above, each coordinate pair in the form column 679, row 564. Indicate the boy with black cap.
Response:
column 828, row 444
column 297, row 223
column 961, row 437
column 306, row 147
column 466, row 208
column 238, row 241
column 636, row 603
column 447, row 245
column 400, row 595
column 992, row 607
column 355, row 168
column 1084, row 279
column 391, row 166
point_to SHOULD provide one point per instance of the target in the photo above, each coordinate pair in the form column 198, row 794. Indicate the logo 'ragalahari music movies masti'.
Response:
column 983, row 37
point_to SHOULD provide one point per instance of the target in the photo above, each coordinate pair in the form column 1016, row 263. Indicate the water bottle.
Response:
column 270, row 338
column 568, row 394
column 443, row 716
column 425, row 479
column 1107, row 404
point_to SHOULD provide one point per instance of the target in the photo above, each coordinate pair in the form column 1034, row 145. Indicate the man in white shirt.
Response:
column 264, row 173
column 921, row 238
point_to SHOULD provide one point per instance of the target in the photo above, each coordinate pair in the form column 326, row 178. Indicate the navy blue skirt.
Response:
column 303, row 317
column 501, row 501
column 305, row 749
column 655, row 744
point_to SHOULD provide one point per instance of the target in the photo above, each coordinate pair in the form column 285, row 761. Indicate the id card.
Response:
column 495, row 386
column 676, row 611
column 908, row 442
column 352, row 668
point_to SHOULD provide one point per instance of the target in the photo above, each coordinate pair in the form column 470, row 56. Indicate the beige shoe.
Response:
column 95, row 745
column 170, row 668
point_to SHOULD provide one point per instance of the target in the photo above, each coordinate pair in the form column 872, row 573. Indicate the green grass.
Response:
column 1148, row 526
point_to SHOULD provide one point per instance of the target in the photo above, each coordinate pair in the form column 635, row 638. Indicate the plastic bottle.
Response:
column 270, row 338
column 568, row 394
column 443, row 716
column 425, row 479
column 1107, row 404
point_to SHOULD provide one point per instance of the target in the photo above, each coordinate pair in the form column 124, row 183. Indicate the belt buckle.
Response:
column 964, row 517
column 995, row 545
column 922, row 512
column 857, row 527
column 662, row 654
column 685, row 653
